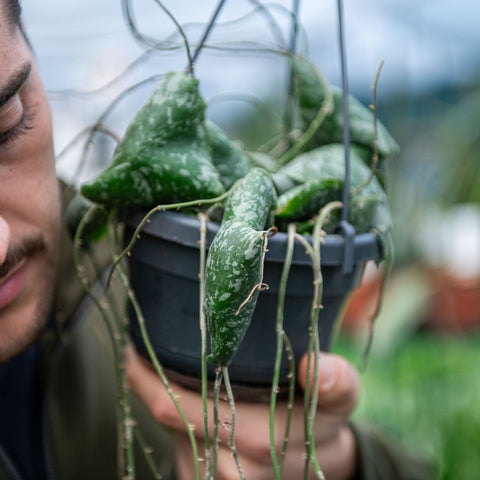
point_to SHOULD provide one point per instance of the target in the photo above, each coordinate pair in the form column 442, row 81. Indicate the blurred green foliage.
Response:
column 439, row 164
column 426, row 396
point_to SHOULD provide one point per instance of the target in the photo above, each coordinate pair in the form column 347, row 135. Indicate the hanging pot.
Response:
column 164, row 269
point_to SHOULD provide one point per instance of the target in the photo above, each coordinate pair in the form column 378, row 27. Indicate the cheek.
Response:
column 39, row 149
column 34, row 203
column 41, row 186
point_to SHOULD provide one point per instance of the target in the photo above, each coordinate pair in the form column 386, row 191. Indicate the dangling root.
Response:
column 260, row 286
column 389, row 262
column 373, row 167
column 281, row 340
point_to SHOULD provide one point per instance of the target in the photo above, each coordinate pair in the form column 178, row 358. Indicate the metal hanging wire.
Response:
column 344, row 226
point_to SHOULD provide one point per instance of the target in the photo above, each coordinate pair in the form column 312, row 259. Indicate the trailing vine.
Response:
column 171, row 158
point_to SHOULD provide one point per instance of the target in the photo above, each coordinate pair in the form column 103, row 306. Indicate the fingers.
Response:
column 338, row 386
column 226, row 468
column 144, row 381
column 338, row 392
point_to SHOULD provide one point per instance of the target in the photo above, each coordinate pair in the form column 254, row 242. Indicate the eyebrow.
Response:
column 14, row 84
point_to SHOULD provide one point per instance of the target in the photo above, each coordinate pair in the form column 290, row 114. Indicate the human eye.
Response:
column 15, row 120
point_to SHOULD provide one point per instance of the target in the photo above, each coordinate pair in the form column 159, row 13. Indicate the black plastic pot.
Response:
column 164, row 267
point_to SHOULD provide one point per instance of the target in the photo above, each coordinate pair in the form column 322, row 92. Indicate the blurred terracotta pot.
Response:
column 455, row 303
column 452, row 304
column 363, row 302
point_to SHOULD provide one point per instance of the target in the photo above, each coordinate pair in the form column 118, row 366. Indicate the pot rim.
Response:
column 184, row 229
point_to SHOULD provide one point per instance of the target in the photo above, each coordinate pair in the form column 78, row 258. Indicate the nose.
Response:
column 4, row 239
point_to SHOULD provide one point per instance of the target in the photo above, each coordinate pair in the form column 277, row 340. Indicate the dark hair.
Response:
column 13, row 11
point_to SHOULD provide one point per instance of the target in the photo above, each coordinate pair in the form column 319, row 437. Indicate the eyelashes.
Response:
column 8, row 138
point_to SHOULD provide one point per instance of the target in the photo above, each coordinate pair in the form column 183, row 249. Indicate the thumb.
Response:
column 338, row 381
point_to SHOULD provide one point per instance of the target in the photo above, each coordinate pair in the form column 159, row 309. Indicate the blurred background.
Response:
column 422, row 384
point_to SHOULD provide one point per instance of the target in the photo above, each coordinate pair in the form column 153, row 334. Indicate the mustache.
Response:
column 16, row 253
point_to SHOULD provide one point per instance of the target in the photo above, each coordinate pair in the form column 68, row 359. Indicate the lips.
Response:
column 11, row 284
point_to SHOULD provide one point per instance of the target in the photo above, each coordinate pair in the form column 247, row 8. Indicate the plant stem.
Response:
column 311, row 392
column 278, row 357
column 146, row 218
column 127, row 420
column 147, row 451
column 260, row 285
column 312, row 329
column 73, row 92
column 180, row 31
column 291, row 397
column 315, row 124
column 123, row 393
column 256, row 103
column 271, row 21
column 98, row 126
column 294, row 33
column 124, row 458
column 158, row 367
column 203, row 331
column 132, row 25
column 389, row 263
column 205, row 35
column 216, row 397
column 289, row 107
column 373, row 166
column 231, row 442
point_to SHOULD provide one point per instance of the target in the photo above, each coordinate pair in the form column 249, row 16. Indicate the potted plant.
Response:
column 266, row 245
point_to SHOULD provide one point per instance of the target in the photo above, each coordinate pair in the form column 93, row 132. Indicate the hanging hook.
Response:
column 344, row 226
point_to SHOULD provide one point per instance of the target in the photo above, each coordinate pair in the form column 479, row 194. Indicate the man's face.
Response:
column 29, row 201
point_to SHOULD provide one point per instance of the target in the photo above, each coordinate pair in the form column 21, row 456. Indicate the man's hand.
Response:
column 335, row 446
